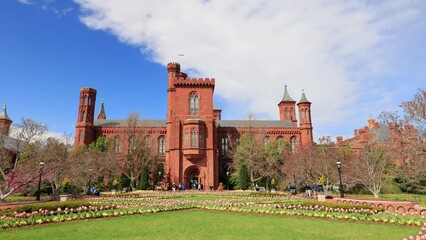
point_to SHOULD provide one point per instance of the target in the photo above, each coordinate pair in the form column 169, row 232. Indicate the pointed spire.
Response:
column 102, row 114
column 3, row 115
column 303, row 99
column 286, row 97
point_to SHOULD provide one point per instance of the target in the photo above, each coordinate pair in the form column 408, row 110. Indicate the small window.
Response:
column 201, row 138
column 161, row 146
column 266, row 140
column 117, row 144
column 194, row 138
column 84, row 100
column 83, row 116
column 132, row 144
column 81, row 136
column 187, row 138
column 193, row 103
column 224, row 147
column 280, row 138
column 90, row 101
column 286, row 113
column 293, row 142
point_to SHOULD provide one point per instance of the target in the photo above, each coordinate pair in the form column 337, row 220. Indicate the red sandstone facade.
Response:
column 193, row 140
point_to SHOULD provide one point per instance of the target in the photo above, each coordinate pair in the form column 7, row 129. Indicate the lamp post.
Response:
column 339, row 165
column 160, row 180
column 41, row 164
column 90, row 180
column 227, row 180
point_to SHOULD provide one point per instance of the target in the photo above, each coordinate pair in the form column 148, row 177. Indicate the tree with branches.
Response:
column 19, row 161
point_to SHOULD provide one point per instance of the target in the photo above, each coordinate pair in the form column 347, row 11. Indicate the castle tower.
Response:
column 5, row 122
column 287, row 108
column 371, row 122
column 84, row 131
column 102, row 114
column 305, row 120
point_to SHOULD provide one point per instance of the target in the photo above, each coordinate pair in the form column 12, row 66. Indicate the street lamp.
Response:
column 227, row 180
column 160, row 179
column 339, row 165
column 90, row 180
column 41, row 164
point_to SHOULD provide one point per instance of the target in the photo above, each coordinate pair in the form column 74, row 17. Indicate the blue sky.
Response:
column 352, row 59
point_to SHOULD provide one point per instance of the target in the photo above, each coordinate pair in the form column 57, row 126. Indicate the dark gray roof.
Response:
column 256, row 123
column 11, row 144
column 3, row 115
column 286, row 97
column 303, row 99
column 381, row 134
column 123, row 123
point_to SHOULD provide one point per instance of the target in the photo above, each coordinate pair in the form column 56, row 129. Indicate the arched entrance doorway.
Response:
column 194, row 178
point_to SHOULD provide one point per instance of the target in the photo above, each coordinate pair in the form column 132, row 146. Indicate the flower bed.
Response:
column 114, row 206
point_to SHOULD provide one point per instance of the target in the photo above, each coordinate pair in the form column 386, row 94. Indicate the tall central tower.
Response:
column 191, row 153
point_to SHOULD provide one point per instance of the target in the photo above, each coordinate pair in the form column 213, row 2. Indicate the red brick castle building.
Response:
column 193, row 141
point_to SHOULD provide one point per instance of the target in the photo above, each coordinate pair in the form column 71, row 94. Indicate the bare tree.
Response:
column 140, row 151
column 18, row 159
column 372, row 167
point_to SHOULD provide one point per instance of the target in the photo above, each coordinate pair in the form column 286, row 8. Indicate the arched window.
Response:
column 224, row 147
column 293, row 142
column 83, row 116
column 90, row 101
column 302, row 115
column 117, row 144
column 148, row 141
column 201, row 138
column 161, row 145
column 81, row 133
column 266, row 140
column 193, row 103
column 132, row 144
column 194, row 138
column 308, row 115
column 280, row 138
column 187, row 138
column 291, row 113
column 84, row 100
column 286, row 113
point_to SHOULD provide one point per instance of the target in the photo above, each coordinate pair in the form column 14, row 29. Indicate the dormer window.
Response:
column 193, row 103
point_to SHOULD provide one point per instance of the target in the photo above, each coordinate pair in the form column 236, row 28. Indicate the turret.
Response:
column 287, row 108
column 305, row 120
column 84, row 132
column 5, row 122
column 102, row 114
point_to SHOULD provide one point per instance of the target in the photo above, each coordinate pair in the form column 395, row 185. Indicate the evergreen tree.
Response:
column 243, row 177
column 144, row 183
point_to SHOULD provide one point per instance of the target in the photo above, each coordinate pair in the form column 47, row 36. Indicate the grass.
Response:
column 24, row 198
column 198, row 224
column 395, row 197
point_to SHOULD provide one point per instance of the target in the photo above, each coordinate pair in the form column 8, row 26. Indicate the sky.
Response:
column 351, row 58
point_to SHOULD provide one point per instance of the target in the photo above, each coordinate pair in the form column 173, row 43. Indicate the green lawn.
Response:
column 198, row 224
column 395, row 197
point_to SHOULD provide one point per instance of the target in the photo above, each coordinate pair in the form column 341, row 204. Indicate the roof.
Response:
column 381, row 134
column 3, row 115
column 124, row 123
column 286, row 97
column 303, row 99
column 102, row 113
column 256, row 123
column 11, row 144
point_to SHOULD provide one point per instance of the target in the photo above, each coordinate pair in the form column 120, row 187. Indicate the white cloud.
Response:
column 28, row 2
column 253, row 48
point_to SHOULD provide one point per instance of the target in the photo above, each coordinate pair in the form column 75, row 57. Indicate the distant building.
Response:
column 7, row 142
column 193, row 141
column 377, row 133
